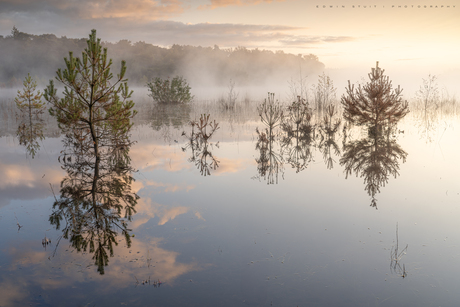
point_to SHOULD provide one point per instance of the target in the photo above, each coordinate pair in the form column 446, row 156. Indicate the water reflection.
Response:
column 298, row 134
column 95, row 200
column 270, row 162
column 30, row 129
column 29, row 133
column 169, row 115
column 328, row 129
column 396, row 255
column 428, row 122
column 373, row 158
column 199, row 145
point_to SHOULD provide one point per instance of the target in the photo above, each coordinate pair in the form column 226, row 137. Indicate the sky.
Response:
column 415, row 36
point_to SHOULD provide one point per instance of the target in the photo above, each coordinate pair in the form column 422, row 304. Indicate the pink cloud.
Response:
column 223, row 3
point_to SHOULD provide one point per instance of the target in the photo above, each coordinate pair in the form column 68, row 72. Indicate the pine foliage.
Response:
column 375, row 103
column 29, row 100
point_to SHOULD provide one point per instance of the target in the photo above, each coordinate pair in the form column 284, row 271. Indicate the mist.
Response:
column 210, row 71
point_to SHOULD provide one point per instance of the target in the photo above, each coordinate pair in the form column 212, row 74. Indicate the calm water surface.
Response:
column 225, row 229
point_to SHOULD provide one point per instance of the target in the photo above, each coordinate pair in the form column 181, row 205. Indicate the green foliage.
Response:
column 165, row 91
column 92, row 103
column 376, row 103
column 95, row 116
column 28, row 100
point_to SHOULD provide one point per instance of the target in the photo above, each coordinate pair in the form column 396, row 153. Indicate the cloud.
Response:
column 146, row 21
column 99, row 9
column 223, row 3
column 311, row 40
column 226, row 35
column 166, row 33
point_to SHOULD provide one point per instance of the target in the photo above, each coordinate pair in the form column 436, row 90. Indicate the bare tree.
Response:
column 428, row 94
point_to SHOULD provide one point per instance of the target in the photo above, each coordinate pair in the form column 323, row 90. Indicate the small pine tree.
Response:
column 92, row 103
column 376, row 103
column 28, row 100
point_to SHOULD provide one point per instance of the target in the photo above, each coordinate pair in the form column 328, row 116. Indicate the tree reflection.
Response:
column 298, row 135
column 427, row 123
column 30, row 132
column 374, row 158
column 396, row 255
column 269, row 163
column 95, row 200
column 328, row 129
column 198, row 144
column 30, row 129
column 170, row 115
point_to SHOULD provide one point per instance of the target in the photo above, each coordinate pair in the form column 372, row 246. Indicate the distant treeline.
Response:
column 42, row 55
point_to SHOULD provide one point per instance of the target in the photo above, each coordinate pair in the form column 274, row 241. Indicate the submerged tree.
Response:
column 92, row 103
column 375, row 103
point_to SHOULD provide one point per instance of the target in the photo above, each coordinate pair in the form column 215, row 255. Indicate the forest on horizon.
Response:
column 42, row 55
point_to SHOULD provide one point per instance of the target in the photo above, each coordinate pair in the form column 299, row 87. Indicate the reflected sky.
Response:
column 229, row 239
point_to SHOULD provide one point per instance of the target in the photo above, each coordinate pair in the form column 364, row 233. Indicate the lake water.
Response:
column 239, row 221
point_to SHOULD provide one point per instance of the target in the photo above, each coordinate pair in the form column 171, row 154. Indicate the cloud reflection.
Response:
column 144, row 259
column 148, row 210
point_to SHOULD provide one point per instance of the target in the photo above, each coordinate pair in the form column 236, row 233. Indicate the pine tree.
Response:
column 376, row 103
column 92, row 106
column 28, row 100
